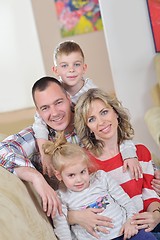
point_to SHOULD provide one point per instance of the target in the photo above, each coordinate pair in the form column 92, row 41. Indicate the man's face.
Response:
column 54, row 107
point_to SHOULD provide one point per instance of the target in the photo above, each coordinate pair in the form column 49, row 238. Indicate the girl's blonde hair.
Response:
column 125, row 130
column 64, row 153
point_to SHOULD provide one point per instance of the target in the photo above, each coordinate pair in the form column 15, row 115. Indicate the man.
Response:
column 19, row 153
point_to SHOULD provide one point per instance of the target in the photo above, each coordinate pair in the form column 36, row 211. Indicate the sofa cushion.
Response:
column 157, row 67
column 152, row 119
column 21, row 214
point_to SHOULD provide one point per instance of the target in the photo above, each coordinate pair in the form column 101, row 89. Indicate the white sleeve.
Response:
column 128, row 149
column 40, row 127
column 120, row 196
column 61, row 226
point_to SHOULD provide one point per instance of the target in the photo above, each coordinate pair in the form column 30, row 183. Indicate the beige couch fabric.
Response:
column 21, row 214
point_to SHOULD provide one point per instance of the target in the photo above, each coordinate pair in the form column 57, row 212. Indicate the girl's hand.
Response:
column 134, row 167
column 128, row 230
column 90, row 220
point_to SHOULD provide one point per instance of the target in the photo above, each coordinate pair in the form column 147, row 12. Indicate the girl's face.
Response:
column 76, row 177
column 102, row 120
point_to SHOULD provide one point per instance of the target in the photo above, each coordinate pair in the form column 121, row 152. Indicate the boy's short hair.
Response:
column 66, row 47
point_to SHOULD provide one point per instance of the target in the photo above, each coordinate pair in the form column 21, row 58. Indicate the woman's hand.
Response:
column 128, row 230
column 134, row 167
column 156, row 182
column 90, row 220
column 147, row 220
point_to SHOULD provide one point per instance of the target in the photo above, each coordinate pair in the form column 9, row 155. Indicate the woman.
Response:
column 103, row 124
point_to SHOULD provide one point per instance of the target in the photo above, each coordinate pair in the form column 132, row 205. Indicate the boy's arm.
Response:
column 41, row 134
column 40, row 128
column 46, row 159
column 128, row 152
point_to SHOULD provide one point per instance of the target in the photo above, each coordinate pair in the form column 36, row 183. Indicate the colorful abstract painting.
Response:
column 78, row 16
column 154, row 14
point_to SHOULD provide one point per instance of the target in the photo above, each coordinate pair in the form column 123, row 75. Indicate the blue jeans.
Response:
column 156, row 232
column 157, row 235
column 141, row 235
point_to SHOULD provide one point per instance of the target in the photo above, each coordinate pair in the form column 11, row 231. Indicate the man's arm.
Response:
column 18, row 150
column 19, row 154
column 50, row 201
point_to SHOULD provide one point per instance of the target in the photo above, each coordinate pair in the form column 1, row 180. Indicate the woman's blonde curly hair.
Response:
column 125, row 130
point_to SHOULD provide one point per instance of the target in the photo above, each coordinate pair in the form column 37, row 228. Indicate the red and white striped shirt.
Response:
column 139, row 190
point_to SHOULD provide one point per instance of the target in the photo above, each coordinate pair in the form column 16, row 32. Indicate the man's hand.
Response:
column 50, row 202
column 134, row 167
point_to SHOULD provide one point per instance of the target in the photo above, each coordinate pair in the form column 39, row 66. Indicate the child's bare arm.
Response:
column 46, row 159
column 41, row 135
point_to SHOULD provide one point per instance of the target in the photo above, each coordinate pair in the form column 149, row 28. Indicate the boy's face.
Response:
column 54, row 107
column 76, row 177
column 70, row 68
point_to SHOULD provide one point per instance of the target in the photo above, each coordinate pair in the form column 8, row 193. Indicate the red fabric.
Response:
column 132, row 187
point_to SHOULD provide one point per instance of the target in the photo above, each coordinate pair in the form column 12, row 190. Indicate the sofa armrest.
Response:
column 21, row 214
column 152, row 119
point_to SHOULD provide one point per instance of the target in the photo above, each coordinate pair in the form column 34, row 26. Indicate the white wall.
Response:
column 20, row 55
column 131, row 51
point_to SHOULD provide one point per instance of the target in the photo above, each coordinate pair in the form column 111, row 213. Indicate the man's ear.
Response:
column 58, row 175
column 54, row 69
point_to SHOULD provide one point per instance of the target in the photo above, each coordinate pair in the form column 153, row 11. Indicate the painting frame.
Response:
column 154, row 16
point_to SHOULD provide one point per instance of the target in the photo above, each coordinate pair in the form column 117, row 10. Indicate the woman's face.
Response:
column 102, row 120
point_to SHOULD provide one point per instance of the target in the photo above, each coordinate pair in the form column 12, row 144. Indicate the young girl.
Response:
column 80, row 190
